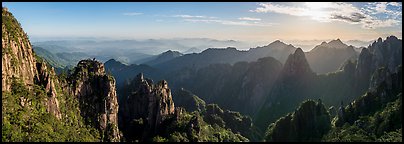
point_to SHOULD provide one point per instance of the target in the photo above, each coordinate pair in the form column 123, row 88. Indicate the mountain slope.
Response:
column 374, row 116
column 309, row 122
column 329, row 57
column 38, row 105
column 351, row 81
column 291, row 87
column 17, row 56
column 240, row 87
column 51, row 58
column 97, row 97
column 124, row 73
column 230, row 55
column 163, row 57
column 148, row 114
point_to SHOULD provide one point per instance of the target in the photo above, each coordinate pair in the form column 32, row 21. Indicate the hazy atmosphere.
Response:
column 302, row 24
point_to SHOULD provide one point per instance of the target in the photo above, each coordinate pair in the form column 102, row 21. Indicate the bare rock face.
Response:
column 147, row 103
column 97, row 97
column 18, row 61
column 364, row 68
column 46, row 78
column 94, row 89
column 387, row 53
column 379, row 76
column 17, row 56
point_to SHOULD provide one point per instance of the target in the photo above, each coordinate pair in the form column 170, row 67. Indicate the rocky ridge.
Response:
column 148, row 103
column 97, row 97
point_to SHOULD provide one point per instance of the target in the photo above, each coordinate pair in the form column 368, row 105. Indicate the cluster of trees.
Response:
column 374, row 116
column 25, row 118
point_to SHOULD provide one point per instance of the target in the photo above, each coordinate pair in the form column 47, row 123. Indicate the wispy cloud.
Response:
column 242, row 21
column 230, row 22
column 269, row 7
column 132, row 14
column 192, row 16
column 331, row 11
column 354, row 17
column 381, row 8
column 249, row 19
column 395, row 4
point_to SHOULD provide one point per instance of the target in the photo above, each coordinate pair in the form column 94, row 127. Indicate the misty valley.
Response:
column 198, row 90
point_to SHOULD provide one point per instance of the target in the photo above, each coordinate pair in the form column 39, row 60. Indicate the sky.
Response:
column 255, row 21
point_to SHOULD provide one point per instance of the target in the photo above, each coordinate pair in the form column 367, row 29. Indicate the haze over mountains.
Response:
column 140, row 51
column 277, row 49
column 130, row 51
column 267, row 85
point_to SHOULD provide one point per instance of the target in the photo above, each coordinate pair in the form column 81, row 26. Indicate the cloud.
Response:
column 395, row 4
column 249, row 19
column 381, row 7
column 229, row 22
column 372, row 24
column 242, row 21
column 192, row 16
column 339, row 11
column 132, row 14
column 269, row 7
column 354, row 17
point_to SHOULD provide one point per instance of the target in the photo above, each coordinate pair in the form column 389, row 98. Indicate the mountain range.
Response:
column 256, row 88
column 275, row 93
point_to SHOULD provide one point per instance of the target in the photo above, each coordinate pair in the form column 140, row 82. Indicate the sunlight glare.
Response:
column 316, row 10
column 317, row 5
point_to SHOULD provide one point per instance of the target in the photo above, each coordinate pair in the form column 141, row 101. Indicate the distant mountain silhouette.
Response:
column 163, row 57
column 192, row 50
column 229, row 55
column 329, row 57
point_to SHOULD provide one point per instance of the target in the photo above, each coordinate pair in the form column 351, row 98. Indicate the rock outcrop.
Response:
column 364, row 68
column 18, row 60
column 94, row 89
column 308, row 123
column 97, row 97
column 47, row 78
column 148, row 104
column 188, row 100
column 387, row 54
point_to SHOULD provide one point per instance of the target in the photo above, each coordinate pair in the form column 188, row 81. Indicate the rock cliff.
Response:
column 148, row 104
column 94, row 90
column 18, row 60
column 97, row 97
column 387, row 54
column 47, row 78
